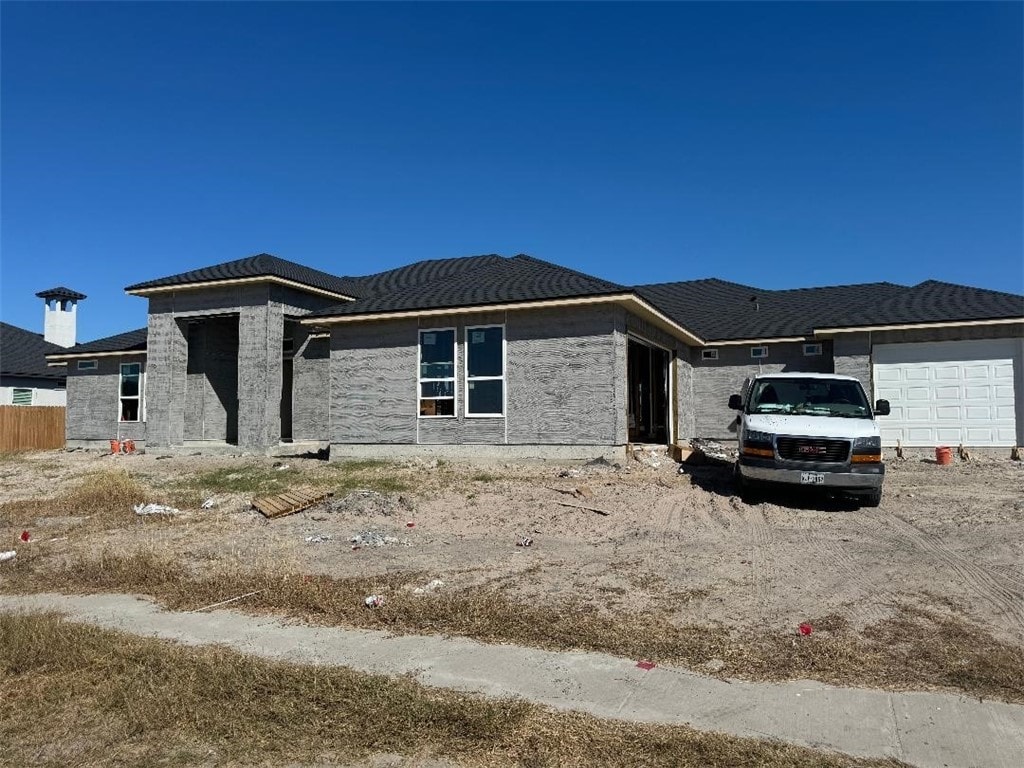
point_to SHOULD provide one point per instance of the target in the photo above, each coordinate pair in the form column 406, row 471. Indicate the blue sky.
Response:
column 780, row 145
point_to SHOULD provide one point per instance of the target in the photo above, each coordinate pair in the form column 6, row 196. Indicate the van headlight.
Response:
column 867, row 444
column 754, row 436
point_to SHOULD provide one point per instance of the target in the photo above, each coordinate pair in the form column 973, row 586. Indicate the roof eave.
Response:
column 65, row 356
column 142, row 290
column 914, row 326
column 629, row 300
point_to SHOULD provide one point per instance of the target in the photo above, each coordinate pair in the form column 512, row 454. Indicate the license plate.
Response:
column 812, row 478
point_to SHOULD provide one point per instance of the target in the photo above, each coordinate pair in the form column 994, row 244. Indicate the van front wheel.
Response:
column 872, row 498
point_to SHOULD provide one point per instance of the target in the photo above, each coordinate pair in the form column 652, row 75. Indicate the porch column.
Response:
column 260, row 336
column 166, row 363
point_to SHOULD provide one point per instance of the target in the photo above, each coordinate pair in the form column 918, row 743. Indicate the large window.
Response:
column 437, row 372
column 485, row 371
column 130, row 392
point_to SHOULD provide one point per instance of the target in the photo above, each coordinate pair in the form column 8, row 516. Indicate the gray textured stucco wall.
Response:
column 561, row 381
column 260, row 336
column 311, row 386
column 166, row 361
column 851, row 355
column 93, row 409
column 715, row 380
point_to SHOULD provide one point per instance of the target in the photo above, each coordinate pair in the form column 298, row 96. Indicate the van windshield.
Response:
column 809, row 397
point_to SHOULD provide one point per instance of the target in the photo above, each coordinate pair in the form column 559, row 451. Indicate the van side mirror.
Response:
column 882, row 408
column 736, row 402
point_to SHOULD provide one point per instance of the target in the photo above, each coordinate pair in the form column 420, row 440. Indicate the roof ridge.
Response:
column 534, row 259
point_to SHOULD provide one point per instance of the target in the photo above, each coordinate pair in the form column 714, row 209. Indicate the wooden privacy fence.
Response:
column 31, row 427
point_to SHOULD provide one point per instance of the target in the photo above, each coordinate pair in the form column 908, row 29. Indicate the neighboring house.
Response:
column 25, row 376
column 488, row 355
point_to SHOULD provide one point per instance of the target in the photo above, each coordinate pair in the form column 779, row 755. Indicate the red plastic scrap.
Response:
column 806, row 629
column 410, row 524
column 25, row 536
column 645, row 664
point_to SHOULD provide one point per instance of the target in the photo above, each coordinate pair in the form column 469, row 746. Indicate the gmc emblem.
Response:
column 811, row 450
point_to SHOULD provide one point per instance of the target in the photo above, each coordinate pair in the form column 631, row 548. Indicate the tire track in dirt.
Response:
column 762, row 563
column 984, row 583
column 867, row 609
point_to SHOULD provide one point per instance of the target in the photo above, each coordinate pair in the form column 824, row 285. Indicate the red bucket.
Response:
column 115, row 446
column 943, row 455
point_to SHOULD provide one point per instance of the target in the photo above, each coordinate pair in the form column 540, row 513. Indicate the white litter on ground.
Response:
column 155, row 509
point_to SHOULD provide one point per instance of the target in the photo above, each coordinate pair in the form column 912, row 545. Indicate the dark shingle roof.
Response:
column 419, row 273
column 23, row 353
column 130, row 341
column 932, row 302
column 493, row 280
column 60, row 292
column 720, row 311
column 261, row 265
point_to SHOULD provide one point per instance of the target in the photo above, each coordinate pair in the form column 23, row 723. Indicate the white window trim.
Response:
column 816, row 350
column 120, row 397
column 502, row 378
column 454, row 378
column 87, row 365
column 709, row 354
column 761, row 356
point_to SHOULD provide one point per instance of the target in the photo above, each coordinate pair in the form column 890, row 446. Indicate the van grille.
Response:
column 812, row 449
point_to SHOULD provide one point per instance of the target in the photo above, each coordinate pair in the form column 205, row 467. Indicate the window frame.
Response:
column 454, row 378
column 709, row 354
column 812, row 345
column 503, row 378
column 88, row 365
column 121, row 398
column 763, row 347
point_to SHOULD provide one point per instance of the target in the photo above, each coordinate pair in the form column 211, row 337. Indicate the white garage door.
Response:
column 947, row 393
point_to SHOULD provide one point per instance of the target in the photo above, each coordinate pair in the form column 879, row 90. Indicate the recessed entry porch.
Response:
column 648, row 392
column 226, row 384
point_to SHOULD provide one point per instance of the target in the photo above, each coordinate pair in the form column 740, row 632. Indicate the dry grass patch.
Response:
column 918, row 649
column 83, row 695
column 106, row 498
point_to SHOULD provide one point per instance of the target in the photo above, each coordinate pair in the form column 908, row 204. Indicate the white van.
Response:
column 811, row 429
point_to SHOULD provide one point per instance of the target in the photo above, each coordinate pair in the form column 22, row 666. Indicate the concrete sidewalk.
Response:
column 923, row 729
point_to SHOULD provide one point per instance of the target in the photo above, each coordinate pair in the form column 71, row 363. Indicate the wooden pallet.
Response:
column 288, row 503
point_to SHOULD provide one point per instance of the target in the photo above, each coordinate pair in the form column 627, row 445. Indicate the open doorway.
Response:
column 647, row 376
column 287, row 380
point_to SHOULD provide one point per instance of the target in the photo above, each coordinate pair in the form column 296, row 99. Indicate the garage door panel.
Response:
column 948, row 392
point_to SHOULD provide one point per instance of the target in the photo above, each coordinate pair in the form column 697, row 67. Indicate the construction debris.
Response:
column 155, row 509
column 375, row 539
column 524, row 541
column 431, row 586
column 1017, row 453
column 288, row 503
column 374, row 601
column 210, row 503
column 580, row 506
column 230, row 600
column 713, row 450
column 9, row 555
column 318, row 538
column 962, row 453
column 366, row 503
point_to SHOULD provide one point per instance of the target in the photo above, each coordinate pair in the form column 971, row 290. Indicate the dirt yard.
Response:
column 946, row 538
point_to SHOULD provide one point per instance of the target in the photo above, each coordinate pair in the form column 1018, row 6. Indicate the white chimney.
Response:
column 60, row 314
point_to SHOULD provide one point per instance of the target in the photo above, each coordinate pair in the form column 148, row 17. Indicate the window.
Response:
column 759, row 352
column 437, row 372
column 21, row 397
column 87, row 365
column 709, row 354
column 131, row 392
column 485, row 371
column 811, row 350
